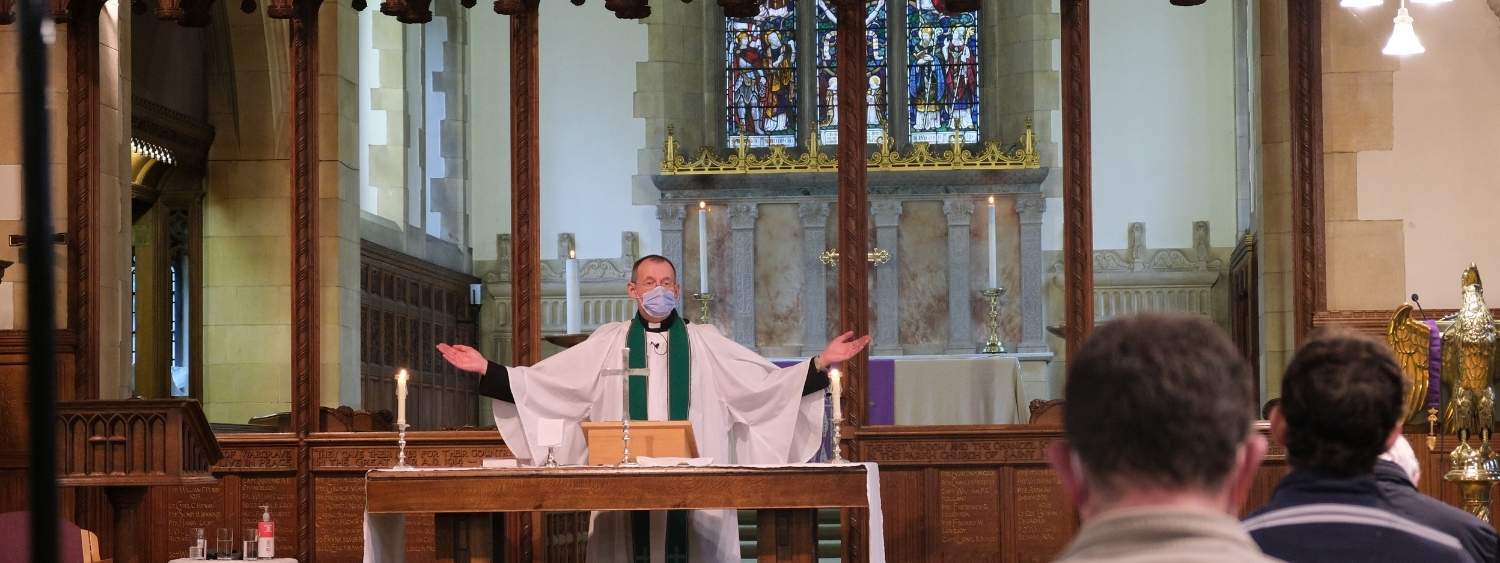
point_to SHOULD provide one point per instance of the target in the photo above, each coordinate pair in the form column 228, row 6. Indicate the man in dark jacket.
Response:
column 1341, row 403
column 1401, row 497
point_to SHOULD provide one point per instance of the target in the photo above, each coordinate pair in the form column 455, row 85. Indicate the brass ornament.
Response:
column 743, row 160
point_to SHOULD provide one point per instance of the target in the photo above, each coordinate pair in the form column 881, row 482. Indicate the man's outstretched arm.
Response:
column 494, row 381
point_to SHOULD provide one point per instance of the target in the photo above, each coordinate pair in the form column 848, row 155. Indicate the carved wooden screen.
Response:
column 407, row 307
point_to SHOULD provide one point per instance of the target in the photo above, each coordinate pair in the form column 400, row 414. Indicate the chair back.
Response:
column 15, row 535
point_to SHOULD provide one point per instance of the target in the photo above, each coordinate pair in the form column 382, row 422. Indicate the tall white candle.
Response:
column 401, row 378
column 836, row 387
column 703, row 247
column 574, row 303
column 994, row 273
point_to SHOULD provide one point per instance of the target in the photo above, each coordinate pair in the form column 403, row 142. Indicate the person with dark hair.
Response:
column 743, row 409
column 1160, row 451
column 1341, row 407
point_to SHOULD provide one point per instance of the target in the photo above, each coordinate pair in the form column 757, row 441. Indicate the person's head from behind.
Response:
column 1341, row 401
column 1159, row 412
column 653, row 285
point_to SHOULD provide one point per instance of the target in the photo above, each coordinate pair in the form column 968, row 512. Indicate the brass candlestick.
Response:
column 992, row 344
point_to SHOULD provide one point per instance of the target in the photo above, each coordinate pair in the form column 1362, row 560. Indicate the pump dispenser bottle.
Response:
column 265, row 534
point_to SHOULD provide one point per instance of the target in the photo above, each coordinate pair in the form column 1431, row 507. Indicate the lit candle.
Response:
column 836, row 387
column 574, row 304
column 401, row 378
column 703, row 247
column 994, row 273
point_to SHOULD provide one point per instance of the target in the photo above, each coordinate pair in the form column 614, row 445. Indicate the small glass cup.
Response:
column 248, row 541
column 225, row 545
column 199, row 549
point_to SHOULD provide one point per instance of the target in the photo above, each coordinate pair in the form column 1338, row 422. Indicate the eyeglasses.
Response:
column 650, row 284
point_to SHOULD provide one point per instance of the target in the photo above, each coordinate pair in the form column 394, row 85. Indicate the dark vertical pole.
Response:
column 41, row 372
column 1305, row 92
column 853, row 199
column 853, row 228
column 525, row 185
column 525, row 528
column 1077, row 169
column 305, row 308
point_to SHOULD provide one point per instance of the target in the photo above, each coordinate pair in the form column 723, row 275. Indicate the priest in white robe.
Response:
column 743, row 410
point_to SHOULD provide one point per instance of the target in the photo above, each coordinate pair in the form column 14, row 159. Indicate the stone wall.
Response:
column 247, row 227
column 1275, row 219
column 1409, row 146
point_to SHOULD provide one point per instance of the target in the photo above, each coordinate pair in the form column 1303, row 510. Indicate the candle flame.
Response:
column 835, row 374
column 401, row 375
column 702, row 205
column 572, row 253
column 992, row 200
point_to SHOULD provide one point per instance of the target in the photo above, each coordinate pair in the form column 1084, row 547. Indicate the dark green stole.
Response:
column 678, row 364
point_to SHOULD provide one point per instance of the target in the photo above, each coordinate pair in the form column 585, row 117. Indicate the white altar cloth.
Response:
column 385, row 534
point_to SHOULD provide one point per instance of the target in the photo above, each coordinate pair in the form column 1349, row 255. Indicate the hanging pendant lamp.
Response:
column 1403, row 39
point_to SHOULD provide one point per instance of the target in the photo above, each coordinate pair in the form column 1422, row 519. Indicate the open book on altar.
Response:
column 650, row 438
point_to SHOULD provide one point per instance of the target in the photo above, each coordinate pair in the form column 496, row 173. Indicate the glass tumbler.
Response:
column 199, row 547
column 225, row 545
column 248, row 541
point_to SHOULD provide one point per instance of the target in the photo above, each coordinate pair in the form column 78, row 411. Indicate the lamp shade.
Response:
column 1403, row 37
column 1359, row 3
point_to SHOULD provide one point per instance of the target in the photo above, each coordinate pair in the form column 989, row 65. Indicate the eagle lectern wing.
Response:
column 1411, row 340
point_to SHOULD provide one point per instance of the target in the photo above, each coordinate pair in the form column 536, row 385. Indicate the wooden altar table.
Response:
column 787, row 497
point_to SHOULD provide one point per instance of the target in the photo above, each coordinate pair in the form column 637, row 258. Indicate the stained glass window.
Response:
column 760, row 86
column 942, row 88
column 876, row 51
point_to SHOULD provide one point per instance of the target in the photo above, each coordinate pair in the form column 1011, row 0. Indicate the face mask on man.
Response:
column 659, row 302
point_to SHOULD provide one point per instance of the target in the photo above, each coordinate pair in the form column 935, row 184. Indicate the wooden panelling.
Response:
column 984, row 493
column 407, row 307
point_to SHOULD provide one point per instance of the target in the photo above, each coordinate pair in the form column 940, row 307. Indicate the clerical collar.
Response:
column 663, row 326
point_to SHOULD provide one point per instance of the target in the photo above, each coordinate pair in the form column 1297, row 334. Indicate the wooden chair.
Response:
column 91, row 547
column 1046, row 412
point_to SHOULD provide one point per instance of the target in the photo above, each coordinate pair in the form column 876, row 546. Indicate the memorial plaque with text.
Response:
column 1044, row 522
column 339, row 505
column 280, row 494
column 188, row 507
column 421, row 536
column 968, row 515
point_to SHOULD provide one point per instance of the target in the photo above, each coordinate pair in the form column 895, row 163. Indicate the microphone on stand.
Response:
column 1417, row 300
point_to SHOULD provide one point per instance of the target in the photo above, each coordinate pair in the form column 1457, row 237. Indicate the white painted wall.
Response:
column 1162, row 81
column 589, row 135
column 1440, row 176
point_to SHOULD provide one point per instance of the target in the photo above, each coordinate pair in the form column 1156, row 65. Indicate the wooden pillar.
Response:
column 1305, row 81
column 525, row 186
column 1077, row 170
column 127, row 510
column 303, row 20
column 853, row 197
column 524, row 530
column 83, row 183
column 853, row 229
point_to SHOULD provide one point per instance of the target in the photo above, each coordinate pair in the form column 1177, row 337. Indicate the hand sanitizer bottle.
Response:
column 265, row 534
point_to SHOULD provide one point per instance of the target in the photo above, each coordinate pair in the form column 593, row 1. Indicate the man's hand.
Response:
column 464, row 358
column 843, row 347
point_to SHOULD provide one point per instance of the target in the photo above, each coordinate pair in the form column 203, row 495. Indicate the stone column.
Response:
column 742, row 257
column 814, row 215
column 960, row 212
column 1029, row 209
column 887, row 215
column 671, row 216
